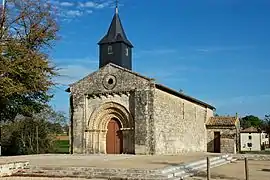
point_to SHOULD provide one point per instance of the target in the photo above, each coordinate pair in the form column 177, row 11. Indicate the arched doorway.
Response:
column 114, row 137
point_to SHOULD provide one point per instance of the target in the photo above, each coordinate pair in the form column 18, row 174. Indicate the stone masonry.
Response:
column 179, row 124
column 153, row 121
column 94, row 103
column 228, row 127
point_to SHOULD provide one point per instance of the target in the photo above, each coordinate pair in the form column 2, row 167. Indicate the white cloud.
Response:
column 102, row 5
column 223, row 48
column 67, row 10
column 72, row 70
column 91, row 4
column 89, row 11
column 66, row 4
column 257, row 105
column 74, row 13
column 72, row 73
column 153, row 52
column 203, row 50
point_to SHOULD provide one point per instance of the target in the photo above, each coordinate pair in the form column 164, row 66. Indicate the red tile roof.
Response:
column 250, row 130
column 221, row 121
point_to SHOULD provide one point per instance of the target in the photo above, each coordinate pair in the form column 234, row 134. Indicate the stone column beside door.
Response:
column 102, row 141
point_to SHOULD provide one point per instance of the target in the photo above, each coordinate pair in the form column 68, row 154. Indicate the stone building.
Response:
column 253, row 139
column 115, row 110
column 223, row 134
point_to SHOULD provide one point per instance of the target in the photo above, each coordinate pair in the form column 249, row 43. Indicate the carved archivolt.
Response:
column 99, row 119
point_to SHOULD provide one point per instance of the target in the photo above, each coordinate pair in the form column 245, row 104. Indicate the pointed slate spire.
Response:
column 116, row 32
column 114, row 47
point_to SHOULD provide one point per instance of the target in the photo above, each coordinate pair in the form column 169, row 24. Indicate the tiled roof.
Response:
column 250, row 130
column 221, row 121
column 184, row 96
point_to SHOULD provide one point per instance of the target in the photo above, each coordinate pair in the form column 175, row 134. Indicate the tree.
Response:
column 249, row 121
column 266, row 126
column 20, row 136
column 27, row 33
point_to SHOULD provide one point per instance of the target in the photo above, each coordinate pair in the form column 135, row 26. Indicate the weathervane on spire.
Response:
column 116, row 6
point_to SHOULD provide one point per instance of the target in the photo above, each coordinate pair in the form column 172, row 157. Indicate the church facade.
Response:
column 115, row 110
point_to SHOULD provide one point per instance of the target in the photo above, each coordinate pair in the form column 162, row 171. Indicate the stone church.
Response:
column 115, row 110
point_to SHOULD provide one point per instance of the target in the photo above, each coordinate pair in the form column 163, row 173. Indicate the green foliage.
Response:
column 27, row 32
column 249, row 121
column 62, row 146
column 20, row 136
column 266, row 125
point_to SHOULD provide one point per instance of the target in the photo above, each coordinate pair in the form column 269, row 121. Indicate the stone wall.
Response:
column 129, row 90
column 227, row 145
column 156, row 121
column 143, row 122
column 179, row 124
column 228, row 139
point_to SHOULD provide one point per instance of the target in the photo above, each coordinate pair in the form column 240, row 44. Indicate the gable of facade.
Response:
column 111, row 92
column 108, row 79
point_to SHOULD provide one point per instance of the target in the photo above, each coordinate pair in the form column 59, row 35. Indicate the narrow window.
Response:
column 126, row 51
column 249, row 137
column 195, row 111
column 183, row 110
column 110, row 51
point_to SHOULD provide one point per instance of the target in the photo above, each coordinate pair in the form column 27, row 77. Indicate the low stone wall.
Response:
column 256, row 157
column 88, row 172
column 11, row 168
column 171, row 171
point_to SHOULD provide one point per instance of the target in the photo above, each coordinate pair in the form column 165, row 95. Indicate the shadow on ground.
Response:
column 167, row 163
column 214, row 176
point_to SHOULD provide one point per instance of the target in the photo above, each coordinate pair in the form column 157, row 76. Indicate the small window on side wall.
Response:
column 249, row 145
column 110, row 50
column 126, row 52
column 249, row 137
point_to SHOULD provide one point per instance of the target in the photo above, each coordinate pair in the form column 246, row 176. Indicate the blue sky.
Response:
column 215, row 50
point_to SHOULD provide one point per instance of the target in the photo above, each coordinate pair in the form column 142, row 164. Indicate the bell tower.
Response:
column 114, row 47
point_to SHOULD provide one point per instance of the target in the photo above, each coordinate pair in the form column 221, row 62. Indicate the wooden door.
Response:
column 114, row 137
column 217, row 142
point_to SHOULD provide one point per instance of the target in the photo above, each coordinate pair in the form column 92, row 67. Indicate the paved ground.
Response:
column 258, row 170
column 44, row 178
column 106, row 161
